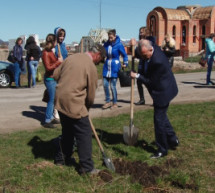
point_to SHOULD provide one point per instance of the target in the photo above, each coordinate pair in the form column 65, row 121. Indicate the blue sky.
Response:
column 77, row 17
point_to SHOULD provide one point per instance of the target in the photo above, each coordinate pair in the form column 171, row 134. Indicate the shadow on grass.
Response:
column 147, row 146
column 110, row 138
column 38, row 113
column 42, row 149
column 116, row 138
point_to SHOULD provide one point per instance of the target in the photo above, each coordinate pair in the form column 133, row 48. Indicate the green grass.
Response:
column 27, row 157
column 193, row 59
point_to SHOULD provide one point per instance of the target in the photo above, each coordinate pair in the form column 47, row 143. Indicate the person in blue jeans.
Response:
column 210, row 53
column 51, row 62
column 112, row 65
column 32, row 58
column 17, row 53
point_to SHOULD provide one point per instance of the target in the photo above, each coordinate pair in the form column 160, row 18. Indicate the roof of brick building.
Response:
column 203, row 12
column 177, row 14
column 186, row 12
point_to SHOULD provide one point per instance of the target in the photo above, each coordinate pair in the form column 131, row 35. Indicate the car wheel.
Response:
column 5, row 79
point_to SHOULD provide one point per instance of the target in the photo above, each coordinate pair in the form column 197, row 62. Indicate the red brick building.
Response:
column 188, row 25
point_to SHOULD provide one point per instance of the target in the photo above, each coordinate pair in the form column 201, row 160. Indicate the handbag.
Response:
column 202, row 61
column 124, row 78
column 11, row 57
column 45, row 96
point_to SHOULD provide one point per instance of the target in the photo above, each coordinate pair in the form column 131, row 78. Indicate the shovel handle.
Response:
column 132, row 88
column 59, row 51
column 96, row 136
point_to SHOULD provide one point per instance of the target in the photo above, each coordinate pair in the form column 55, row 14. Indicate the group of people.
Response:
column 72, row 81
column 32, row 58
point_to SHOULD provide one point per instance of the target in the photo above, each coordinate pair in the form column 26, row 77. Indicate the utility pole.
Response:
column 100, row 15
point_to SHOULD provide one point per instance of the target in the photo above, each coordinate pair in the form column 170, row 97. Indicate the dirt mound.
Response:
column 139, row 171
column 146, row 175
column 105, row 175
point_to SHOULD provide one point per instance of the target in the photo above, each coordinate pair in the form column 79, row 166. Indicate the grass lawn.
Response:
column 26, row 158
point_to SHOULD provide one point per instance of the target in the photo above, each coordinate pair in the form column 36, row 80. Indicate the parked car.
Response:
column 6, row 74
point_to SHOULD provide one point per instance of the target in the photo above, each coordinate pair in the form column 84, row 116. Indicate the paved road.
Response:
column 22, row 109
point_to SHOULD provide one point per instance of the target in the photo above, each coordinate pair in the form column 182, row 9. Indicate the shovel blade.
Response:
column 130, row 135
column 108, row 163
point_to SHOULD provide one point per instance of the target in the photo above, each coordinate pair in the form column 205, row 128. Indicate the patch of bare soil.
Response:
column 146, row 175
column 105, row 175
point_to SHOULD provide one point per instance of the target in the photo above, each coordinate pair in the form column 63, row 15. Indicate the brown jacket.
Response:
column 50, row 62
column 77, row 83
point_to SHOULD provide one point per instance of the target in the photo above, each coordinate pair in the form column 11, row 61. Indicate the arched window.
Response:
column 184, row 35
column 173, row 31
column 203, row 36
column 153, row 25
column 194, row 34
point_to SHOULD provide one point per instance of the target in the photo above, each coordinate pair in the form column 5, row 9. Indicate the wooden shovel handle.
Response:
column 96, row 136
column 132, row 89
column 59, row 51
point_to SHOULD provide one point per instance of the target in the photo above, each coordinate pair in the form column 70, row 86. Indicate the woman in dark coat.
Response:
column 17, row 53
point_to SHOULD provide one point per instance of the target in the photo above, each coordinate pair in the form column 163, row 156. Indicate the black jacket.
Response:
column 32, row 50
column 159, row 78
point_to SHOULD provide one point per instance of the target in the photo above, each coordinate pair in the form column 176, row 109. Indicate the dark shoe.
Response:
column 55, row 121
column 174, row 144
column 68, row 161
column 49, row 125
column 140, row 102
column 158, row 155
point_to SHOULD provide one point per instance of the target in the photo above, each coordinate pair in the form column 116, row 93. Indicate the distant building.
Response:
column 188, row 25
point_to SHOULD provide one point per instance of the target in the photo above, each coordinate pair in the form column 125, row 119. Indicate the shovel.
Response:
column 108, row 162
column 130, row 133
column 59, row 51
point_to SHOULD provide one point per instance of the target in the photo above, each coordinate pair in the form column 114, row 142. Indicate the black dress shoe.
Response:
column 158, row 155
column 68, row 161
column 174, row 144
column 49, row 125
column 140, row 102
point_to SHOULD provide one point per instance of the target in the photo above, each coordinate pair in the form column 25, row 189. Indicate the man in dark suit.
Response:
column 161, row 84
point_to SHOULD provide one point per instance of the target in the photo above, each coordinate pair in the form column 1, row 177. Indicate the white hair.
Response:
column 145, row 43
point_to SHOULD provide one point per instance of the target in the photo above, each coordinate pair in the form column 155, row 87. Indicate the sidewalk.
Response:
column 22, row 109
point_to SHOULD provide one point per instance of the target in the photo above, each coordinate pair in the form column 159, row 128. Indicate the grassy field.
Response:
column 26, row 158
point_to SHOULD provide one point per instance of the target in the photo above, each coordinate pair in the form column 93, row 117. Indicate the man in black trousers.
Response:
column 75, row 93
column 161, row 84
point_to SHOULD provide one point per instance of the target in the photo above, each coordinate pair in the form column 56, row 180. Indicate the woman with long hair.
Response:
column 51, row 62
column 17, row 53
column 32, row 58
